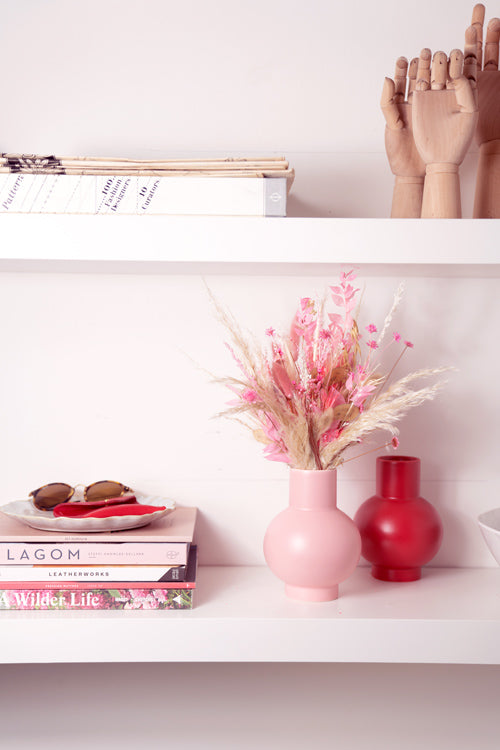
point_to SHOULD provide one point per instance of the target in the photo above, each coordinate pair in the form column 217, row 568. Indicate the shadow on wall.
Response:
column 249, row 706
column 345, row 185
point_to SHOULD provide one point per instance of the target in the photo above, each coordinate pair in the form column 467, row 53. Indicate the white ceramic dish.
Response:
column 489, row 523
column 24, row 511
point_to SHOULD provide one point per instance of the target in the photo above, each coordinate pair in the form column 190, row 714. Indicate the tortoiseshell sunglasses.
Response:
column 50, row 495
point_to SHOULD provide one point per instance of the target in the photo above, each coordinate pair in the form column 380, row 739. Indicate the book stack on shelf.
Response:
column 152, row 567
column 85, row 185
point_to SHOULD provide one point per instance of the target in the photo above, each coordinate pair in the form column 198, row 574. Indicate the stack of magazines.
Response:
column 151, row 567
column 83, row 185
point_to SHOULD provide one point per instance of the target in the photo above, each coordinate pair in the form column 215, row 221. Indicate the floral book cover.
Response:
column 74, row 596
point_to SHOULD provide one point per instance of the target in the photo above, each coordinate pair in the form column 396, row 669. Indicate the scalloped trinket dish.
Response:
column 25, row 512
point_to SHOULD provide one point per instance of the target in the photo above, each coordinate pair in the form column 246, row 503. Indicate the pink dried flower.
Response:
column 360, row 394
column 249, row 395
column 409, row 344
column 371, row 328
column 330, row 435
column 396, row 336
column 281, row 378
column 372, row 344
column 395, row 442
column 349, row 276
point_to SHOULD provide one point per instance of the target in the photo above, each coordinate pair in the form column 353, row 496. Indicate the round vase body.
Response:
column 312, row 545
column 400, row 531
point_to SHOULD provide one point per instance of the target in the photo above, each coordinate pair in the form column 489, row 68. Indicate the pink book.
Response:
column 166, row 540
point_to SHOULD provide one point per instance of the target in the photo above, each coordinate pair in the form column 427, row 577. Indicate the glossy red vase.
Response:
column 400, row 531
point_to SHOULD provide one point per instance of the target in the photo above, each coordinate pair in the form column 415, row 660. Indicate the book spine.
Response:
column 61, row 573
column 89, row 553
column 64, row 573
column 92, row 585
column 129, row 194
column 97, row 598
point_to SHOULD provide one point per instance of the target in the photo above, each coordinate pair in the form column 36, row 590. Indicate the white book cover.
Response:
column 60, row 573
column 171, row 195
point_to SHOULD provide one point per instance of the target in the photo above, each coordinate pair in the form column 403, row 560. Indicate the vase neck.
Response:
column 398, row 477
column 313, row 489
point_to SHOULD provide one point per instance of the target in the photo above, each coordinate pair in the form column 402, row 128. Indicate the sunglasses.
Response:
column 50, row 495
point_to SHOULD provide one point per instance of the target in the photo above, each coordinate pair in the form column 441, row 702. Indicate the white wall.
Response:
column 162, row 78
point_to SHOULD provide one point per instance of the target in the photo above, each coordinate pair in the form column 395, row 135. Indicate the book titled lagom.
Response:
column 165, row 542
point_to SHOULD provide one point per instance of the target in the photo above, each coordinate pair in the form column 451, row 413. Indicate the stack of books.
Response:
column 85, row 185
column 152, row 567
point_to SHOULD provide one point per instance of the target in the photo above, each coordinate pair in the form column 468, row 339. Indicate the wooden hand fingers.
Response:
column 400, row 78
column 465, row 96
column 455, row 64
column 439, row 71
column 491, row 45
column 436, row 72
column 470, row 55
column 447, row 73
column 389, row 105
column 412, row 77
column 424, row 70
column 463, row 87
column 478, row 23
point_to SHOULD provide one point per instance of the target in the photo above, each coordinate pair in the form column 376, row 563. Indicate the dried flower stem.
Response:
column 372, row 450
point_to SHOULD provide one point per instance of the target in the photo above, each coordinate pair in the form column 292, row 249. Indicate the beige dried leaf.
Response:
column 345, row 412
column 322, row 422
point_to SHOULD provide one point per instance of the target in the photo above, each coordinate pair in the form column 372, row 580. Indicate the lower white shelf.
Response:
column 242, row 615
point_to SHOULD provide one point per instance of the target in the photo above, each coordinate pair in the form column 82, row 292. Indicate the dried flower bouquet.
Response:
column 311, row 395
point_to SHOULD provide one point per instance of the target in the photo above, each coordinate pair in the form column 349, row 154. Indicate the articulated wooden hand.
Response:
column 404, row 160
column 487, row 197
column 444, row 121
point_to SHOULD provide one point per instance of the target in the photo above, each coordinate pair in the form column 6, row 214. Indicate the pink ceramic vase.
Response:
column 312, row 545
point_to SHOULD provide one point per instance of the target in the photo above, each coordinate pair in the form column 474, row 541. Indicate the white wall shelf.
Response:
column 242, row 615
column 177, row 244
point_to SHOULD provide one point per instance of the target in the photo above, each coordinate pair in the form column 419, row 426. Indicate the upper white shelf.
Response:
column 241, row 614
column 210, row 244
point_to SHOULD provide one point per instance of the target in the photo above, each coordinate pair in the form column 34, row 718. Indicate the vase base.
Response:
column 397, row 575
column 312, row 594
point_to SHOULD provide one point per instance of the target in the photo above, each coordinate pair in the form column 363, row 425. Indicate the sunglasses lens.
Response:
column 51, row 495
column 104, row 490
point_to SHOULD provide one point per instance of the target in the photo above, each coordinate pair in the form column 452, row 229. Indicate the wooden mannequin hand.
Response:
column 487, row 75
column 444, row 121
column 444, row 109
column 404, row 160
column 484, row 70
